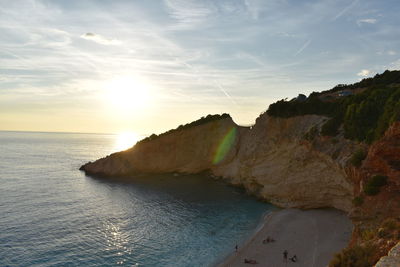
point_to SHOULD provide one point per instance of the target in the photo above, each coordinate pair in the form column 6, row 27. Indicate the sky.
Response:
column 149, row 66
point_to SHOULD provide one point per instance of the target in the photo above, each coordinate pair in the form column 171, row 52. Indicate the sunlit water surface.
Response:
column 53, row 215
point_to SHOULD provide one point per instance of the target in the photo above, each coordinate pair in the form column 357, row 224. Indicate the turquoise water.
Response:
column 53, row 215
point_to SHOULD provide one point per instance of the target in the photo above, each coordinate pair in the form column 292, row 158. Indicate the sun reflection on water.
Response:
column 117, row 241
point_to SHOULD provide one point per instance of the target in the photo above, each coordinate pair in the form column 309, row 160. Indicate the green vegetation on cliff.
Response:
column 357, row 158
column 202, row 120
column 373, row 185
column 373, row 241
column 357, row 256
column 370, row 106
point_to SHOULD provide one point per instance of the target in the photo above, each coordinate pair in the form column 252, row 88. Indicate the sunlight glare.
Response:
column 124, row 141
column 127, row 93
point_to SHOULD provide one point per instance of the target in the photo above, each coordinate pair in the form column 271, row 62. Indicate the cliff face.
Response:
column 384, row 155
column 278, row 159
column 376, row 219
column 392, row 259
column 383, row 159
column 276, row 162
column 190, row 150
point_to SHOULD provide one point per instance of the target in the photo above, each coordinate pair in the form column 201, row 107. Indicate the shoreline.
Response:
column 314, row 236
column 262, row 224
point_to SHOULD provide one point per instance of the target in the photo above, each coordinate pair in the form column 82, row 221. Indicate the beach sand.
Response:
column 314, row 236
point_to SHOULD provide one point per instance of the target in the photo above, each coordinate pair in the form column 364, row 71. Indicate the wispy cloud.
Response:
column 189, row 13
column 387, row 52
column 360, row 22
column 228, row 54
column 345, row 10
column 364, row 73
column 100, row 39
column 305, row 45
column 223, row 90
column 395, row 65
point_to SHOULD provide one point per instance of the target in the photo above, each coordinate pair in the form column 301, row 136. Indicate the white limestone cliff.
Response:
column 273, row 159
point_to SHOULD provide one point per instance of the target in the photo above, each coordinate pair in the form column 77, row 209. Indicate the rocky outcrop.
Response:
column 384, row 155
column 281, row 160
column 191, row 150
column 383, row 158
column 392, row 259
column 376, row 218
column 276, row 162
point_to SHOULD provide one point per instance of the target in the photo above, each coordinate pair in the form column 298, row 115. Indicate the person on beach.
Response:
column 285, row 253
column 268, row 240
column 250, row 261
column 294, row 258
column 236, row 248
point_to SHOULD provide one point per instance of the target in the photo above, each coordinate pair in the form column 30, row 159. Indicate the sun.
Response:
column 126, row 140
column 127, row 93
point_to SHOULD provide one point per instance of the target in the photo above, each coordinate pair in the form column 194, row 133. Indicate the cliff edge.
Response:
column 275, row 159
column 339, row 148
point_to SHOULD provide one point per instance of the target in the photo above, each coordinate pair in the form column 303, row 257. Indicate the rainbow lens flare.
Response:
column 225, row 146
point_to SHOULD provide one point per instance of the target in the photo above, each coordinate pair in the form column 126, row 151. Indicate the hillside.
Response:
column 364, row 109
column 305, row 153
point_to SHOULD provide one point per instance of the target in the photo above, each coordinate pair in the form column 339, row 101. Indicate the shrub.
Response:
column 311, row 134
column 365, row 116
column 368, row 234
column 391, row 224
column 390, row 228
column 358, row 157
column 358, row 201
column 336, row 154
column 313, row 105
column 378, row 180
column 331, row 126
column 198, row 122
column 382, row 232
column 357, row 256
column 334, row 141
column 371, row 190
column 373, row 185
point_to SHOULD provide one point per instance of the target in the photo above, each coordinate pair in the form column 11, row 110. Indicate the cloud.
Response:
column 343, row 11
column 303, row 47
column 364, row 73
column 387, row 53
column 189, row 13
column 220, row 53
column 394, row 65
column 100, row 39
column 360, row 22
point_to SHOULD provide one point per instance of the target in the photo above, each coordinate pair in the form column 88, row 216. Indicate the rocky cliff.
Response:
column 296, row 156
column 284, row 161
column 287, row 162
column 392, row 259
column 191, row 150
column 383, row 158
column 376, row 217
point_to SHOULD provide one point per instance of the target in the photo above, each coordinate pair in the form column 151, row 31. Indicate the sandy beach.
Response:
column 314, row 236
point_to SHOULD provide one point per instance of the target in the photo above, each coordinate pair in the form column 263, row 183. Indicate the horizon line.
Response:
column 57, row 132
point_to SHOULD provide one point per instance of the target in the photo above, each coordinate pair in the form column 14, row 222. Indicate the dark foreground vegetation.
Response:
column 365, row 253
column 371, row 106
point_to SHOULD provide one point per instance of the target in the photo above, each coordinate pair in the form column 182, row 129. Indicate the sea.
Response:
column 52, row 214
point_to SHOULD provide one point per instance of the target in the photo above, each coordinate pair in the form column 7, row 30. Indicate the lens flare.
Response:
column 225, row 146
